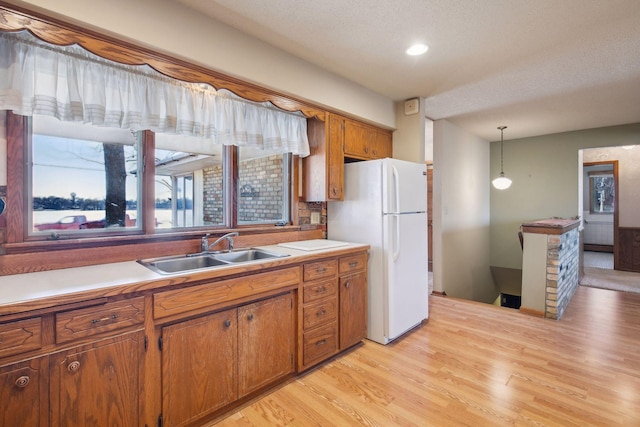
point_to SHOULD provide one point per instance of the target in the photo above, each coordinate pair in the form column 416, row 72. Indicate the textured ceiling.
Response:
column 537, row 66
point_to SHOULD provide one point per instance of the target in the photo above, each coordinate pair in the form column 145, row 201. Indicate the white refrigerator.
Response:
column 385, row 206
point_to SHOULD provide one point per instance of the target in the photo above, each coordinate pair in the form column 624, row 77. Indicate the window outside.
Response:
column 263, row 186
column 82, row 177
column 87, row 179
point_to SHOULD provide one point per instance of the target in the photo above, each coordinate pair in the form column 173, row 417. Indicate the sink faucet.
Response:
column 229, row 237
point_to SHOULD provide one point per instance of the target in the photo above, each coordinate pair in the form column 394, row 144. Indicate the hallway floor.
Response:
column 598, row 260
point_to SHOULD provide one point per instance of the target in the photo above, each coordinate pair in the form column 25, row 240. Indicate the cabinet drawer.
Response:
column 320, row 343
column 353, row 263
column 319, row 312
column 179, row 301
column 20, row 336
column 317, row 290
column 88, row 321
column 320, row 270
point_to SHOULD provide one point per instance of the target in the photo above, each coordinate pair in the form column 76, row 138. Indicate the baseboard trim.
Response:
column 532, row 312
column 598, row 248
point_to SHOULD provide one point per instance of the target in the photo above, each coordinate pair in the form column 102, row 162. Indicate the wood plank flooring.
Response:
column 475, row 365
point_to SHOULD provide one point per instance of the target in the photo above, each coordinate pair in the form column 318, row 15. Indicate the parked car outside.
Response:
column 71, row 222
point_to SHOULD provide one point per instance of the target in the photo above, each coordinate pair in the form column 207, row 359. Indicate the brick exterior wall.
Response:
column 563, row 253
column 260, row 195
column 212, row 195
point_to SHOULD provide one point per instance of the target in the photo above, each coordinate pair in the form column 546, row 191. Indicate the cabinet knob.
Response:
column 366, row 150
column 227, row 323
column 73, row 366
column 250, row 316
column 347, row 284
column 23, row 381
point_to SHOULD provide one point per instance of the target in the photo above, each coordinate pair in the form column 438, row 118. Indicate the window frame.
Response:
column 18, row 180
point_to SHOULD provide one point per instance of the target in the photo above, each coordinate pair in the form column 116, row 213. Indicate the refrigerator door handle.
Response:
column 396, row 189
column 396, row 238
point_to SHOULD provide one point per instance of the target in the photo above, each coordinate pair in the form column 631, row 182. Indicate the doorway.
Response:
column 600, row 214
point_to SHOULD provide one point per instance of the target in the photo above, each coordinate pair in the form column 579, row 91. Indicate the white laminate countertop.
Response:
column 114, row 278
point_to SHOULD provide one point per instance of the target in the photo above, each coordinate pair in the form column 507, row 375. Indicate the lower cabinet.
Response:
column 24, row 394
column 98, row 384
column 213, row 360
column 353, row 309
column 334, row 307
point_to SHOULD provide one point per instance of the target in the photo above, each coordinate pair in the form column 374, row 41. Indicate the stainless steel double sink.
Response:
column 206, row 260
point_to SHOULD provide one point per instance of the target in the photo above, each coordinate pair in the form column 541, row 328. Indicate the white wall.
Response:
column 461, row 214
column 170, row 27
column 409, row 137
column 545, row 176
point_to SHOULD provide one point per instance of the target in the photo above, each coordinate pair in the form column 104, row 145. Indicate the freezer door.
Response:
column 406, row 272
column 404, row 186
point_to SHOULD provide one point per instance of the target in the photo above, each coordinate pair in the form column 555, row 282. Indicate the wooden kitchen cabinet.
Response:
column 353, row 299
column 266, row 333
column 199, row 367
column 98, row 383
column 324, row 167
column 330, row 143
column 213, row 360
column 24, row 394
column 334, row 307
column 366, row 142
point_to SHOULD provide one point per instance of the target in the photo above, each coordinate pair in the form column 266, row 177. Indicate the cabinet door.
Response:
column 353, row 309
column 356, row 140
column 266, row 342
column 335, row 158
column 24, row 394
column 382, row 146
column 198, row 367
column 98, row 384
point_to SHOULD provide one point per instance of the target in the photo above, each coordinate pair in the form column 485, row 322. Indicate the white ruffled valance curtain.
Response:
column 72, row 84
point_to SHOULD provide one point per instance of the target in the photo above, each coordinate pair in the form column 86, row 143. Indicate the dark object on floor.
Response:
column 510, row 301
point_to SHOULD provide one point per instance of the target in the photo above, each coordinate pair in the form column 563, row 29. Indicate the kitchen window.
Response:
column 86, row 180
column 115, row 149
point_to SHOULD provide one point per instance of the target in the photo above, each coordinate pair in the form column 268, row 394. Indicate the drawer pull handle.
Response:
column 112, row 317
column 321, row 270
column 73, row 366
column 23, row 381
column 318, row 291
column 321, row 342
column 352, row 264
column 321, row 312
column 227, row 323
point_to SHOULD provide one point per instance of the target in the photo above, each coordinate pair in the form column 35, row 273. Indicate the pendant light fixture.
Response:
column 501, row 182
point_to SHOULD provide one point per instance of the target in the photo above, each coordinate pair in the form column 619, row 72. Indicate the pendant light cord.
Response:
column 502, row 128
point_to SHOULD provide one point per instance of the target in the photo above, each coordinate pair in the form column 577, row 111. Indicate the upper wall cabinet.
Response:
column 332, row 142
column 364, row 142
column 324, row 167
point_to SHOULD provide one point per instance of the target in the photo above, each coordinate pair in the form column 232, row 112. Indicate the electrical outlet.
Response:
column 315, row 217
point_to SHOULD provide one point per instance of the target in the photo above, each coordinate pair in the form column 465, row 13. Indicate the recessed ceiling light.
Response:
column 417, row 49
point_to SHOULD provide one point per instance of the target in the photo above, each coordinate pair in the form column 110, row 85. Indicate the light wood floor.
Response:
column 478, row 365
